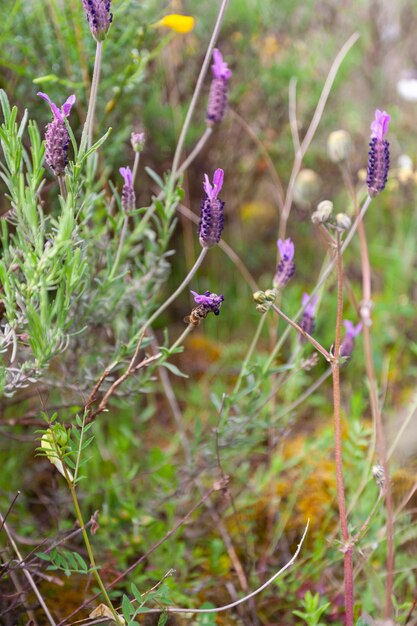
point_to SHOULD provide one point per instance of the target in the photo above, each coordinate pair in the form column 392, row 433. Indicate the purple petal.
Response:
column 357, row 329
column 68, row 104
column 286, row 249
column 379, row 126
column 127, row 175
column 219, row 67
column 309, row 302
column 57, row 113
column 218, row 178
column 201, row 299
column 207, row 186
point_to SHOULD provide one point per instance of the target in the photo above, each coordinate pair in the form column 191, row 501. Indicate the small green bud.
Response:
column 343, row 221
column 323, row 212
column 261, row 308
column 270, row 295
column 339, row 146
column 259, row 297
column 138, row 141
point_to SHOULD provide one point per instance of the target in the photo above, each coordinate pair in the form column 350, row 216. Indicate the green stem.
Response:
column 249, row 353
column 198, row 88
column 87, row 135
column 89, row 549
column 177, row 292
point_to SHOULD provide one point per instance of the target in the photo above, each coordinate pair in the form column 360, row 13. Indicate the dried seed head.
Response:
column 339, row 146
column 323, row 212
column 379, row 475
column 343, row 221
column 307, row 186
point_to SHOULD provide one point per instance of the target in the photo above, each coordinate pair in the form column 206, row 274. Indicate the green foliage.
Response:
column 313, row 609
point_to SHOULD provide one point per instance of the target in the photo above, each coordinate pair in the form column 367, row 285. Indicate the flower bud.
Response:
column 307, row 186
column 270, row 295
column 259, row 297
column 138, row 141
column 343, row 221
column 323, row 212
column 339, row 146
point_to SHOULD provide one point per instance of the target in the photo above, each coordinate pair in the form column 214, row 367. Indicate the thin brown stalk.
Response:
column 28, row 575
column 366, row 307
column 347, row 544
column 302, row 332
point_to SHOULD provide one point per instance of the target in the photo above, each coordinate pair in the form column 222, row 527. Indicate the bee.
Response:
column 198, row 314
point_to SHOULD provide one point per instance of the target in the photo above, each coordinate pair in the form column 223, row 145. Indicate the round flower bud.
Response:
column 259, row 297
column 323, row 212
column 138, row 141
column 270, row 295
column 339, row 146
column 307, row 186
column 343, row 221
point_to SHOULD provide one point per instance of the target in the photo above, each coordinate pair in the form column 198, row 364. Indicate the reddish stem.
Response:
column 348, row 546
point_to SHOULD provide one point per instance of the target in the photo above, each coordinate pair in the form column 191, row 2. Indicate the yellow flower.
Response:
column 179, row 23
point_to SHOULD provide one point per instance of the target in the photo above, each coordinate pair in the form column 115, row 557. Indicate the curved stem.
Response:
column 198, row 88
column 227, row 607
column 196, row 150
column 177, row 292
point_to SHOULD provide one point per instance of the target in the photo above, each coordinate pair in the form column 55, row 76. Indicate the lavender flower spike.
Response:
column 217, row 101
column 57, row 139
column 378, row 160
column 128, row 193
column 286, row 267
column 210, row 302
column 211, row 217
column 348, row 343
column 99, row 17
column 308, row 321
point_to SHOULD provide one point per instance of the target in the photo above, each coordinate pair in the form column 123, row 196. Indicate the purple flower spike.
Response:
column 217, row 102
column 348, row 343
column 57, row 139
column 286, row 267
column 308, row 321
column 211, row 217
column 378, row 160
column 209, row 302
column 128, row 193
column 99, row 17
